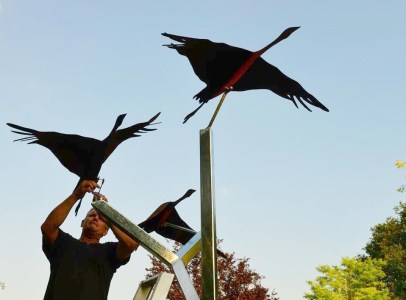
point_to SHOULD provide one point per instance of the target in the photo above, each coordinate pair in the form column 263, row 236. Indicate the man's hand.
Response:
column 98, row 196
column 50, row 228
column 86, row 186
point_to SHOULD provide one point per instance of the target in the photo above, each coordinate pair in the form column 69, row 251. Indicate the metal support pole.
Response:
column 208, row 219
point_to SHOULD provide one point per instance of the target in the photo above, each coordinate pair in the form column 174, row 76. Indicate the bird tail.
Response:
column 31, row 134
column 80, row 201
column 78, row 206
column 121, row 135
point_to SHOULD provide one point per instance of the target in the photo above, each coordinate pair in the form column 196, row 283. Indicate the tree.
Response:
column 388, row 243
column 235, row 278
column 355, row 279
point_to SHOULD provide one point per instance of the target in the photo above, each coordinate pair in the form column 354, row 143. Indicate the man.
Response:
column 82, row 268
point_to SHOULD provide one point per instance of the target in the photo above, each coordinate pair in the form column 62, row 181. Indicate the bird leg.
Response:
column 78, row 206
column 102, row 182
column 192, row 113
column 219, row 105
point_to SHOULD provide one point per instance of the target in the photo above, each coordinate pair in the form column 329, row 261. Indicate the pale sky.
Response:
column 294, row 189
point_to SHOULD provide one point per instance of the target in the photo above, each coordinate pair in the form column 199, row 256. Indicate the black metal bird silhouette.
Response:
column 81, row 155
column 224, row 68
column 166, row 221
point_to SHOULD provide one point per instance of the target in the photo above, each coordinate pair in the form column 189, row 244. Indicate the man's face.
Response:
column 94, row 224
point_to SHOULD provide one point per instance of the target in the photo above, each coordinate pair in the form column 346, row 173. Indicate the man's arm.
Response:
column 126, row 245
column 50, row 228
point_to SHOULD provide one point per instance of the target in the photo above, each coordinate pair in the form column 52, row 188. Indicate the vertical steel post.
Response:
column 208, row 218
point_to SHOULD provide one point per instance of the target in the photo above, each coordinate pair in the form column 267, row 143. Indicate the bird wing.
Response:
column 218, row 62
column 163, row 213
column 263, row 75
column 117, row 137
column 80, row 155
column 175, row 219
column 153, row 220
column 178, row 235
column 214, row 63
column 76, row 153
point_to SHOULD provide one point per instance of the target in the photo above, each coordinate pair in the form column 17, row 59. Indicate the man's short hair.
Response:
column 107, row 225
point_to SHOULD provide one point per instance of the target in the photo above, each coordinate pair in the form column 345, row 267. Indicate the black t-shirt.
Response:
column 79, row 270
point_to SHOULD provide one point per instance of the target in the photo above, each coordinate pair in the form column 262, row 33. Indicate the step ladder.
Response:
column 155, row 288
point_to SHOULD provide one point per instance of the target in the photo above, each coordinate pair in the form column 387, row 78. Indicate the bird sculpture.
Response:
column 166, row 221
column 81, row 155
column 227, row 68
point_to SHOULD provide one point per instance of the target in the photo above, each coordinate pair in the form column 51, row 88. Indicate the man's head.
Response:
column 93, row 225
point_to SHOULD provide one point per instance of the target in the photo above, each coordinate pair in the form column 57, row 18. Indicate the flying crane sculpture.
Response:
column 165, row 221
column 226, row 68
column 81, row 155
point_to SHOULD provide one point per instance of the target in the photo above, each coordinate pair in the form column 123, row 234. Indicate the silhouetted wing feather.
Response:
column 263, row 75
column 119, row 136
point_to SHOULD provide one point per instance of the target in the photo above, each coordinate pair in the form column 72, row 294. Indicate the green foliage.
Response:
column 355, row 279
column 388, row 243
column 380, row 274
